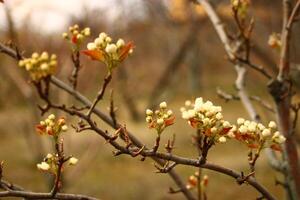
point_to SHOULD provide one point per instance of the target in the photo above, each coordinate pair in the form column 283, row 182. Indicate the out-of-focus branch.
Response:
column 227, row 97
column 280, row 89
column 174, row 63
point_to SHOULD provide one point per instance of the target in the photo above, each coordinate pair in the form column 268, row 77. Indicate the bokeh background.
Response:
column 178, row 56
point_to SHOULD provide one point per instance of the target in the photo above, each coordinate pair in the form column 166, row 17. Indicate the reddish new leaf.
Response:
column 225, row 131
column 193, row 123
column 40, row 129
column 125, row 51
column 94, row 54
column 74, row 39
column 276, row 147
column 169, row 121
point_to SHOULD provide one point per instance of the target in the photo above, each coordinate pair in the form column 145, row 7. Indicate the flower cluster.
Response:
column 49, row 164
column 274, row 41
column 257, row 136
column 39, row 65
column 75, row 35
column 105, row 50
column 51, row 127
column 207, row 118
column 193, row 181
column 160, row 119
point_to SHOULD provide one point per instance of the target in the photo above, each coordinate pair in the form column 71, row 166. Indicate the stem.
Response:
column 100, row 94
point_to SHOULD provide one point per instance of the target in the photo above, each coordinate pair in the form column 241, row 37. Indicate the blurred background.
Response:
column 178, row 56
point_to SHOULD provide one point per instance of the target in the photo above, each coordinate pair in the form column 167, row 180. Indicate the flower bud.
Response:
column 148, row 119
column 219, row 116
column 272, row 125
column 51, row 117
column 102, row 35
column 43, row 166
column 64, row 128
column 73, row 161
column 159, row 121
column 44, row 66
column 163, row 105
column 149, row 112
column 108, row 39
column 266, row 132
column 111, row 48
column 120, row 43
column 222, row 139
column 170, row 112
column 91, row 46
column 44, row 56
column 87, row 31
column 240, row 121
column 65, row 35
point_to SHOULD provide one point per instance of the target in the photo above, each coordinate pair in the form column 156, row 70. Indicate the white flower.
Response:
column 149, row 112
column 163, row 105
column 73, row 161
column 261, row 127
column 160, row 121
column 51, row 117
column 102, row 35
column 44, row 66
column 219, row 116
column 43, row 166
column 214, row 130
column 111, row 48
column 120, row 43
column 222, row 139
column 64, row 128
column 148, row 119
column 44, row 56
column 278, row 138
column 206, row 121
column 266, row 132
column 240, row 121
column 281, row 139
column 216, row 109
column 91, row 46
column 35, row 55
column 243, row 129
column 231, row 134
column 108, row 39
column 87, row 31
column 272, row 125
column 187, row 103
column 252, row 127
column 226, row 124
column 49, row 155
column 247, row 123
column 198, row 104
column 170, row 112
column 98, row 42
column 192, row 113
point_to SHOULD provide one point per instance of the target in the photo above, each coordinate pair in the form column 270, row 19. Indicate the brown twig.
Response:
column 100, row 94
column 75, row 57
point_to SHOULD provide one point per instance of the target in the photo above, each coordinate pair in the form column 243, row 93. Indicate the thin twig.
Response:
column 100, row 94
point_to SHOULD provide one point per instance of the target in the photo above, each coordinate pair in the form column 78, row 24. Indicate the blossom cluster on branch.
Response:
column 39, row 66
